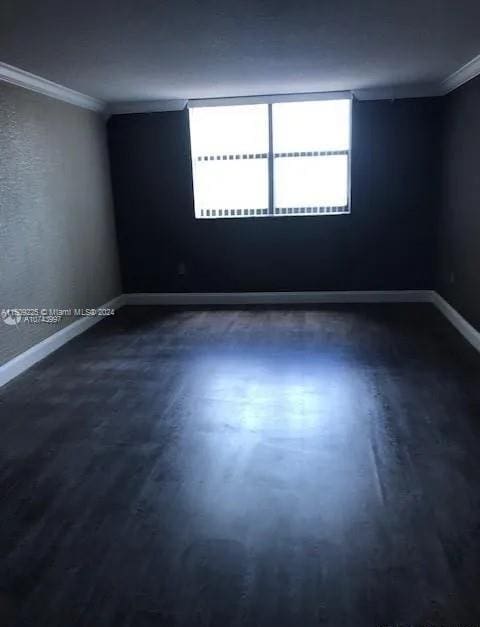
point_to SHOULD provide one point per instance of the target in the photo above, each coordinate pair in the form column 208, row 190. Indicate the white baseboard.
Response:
column 286, row 298
column 463, row 326
column 278, row 298
column 39, row 351
column 25, row 360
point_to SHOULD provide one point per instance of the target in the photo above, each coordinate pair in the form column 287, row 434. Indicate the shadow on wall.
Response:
column 458, row 278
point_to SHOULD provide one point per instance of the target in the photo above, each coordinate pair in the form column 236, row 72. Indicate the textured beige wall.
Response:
column 57, row 233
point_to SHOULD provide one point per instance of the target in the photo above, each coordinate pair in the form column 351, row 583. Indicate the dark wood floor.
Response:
column 226, row 468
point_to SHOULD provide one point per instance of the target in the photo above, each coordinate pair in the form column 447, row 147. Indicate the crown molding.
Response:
column 373, row 93
column 462, row 75
column 381, row 93
column 417, row 90
column 145, row 106
column 21, row 78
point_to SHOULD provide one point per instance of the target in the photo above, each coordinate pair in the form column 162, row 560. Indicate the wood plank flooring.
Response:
column 261, row 467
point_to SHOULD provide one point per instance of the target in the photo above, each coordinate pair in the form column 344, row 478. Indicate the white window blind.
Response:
column 277, row 159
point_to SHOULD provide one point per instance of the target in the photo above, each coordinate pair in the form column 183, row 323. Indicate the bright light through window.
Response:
column 288, row 158
column 311, row 126
column 230, row 147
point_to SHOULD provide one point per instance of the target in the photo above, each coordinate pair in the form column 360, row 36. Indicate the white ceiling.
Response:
column 125, row 50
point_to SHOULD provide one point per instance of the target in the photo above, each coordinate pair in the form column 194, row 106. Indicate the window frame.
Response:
column 272, row 211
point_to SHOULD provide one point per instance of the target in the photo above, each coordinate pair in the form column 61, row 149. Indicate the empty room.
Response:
column 240, row 313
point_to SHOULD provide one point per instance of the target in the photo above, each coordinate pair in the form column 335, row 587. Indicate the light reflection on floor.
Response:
column 286, row 437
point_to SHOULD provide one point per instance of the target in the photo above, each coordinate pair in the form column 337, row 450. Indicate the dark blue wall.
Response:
column 459, row 232
column 387, row 242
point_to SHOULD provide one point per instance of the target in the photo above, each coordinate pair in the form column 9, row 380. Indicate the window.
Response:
column 277, row 159
column 230, row 160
